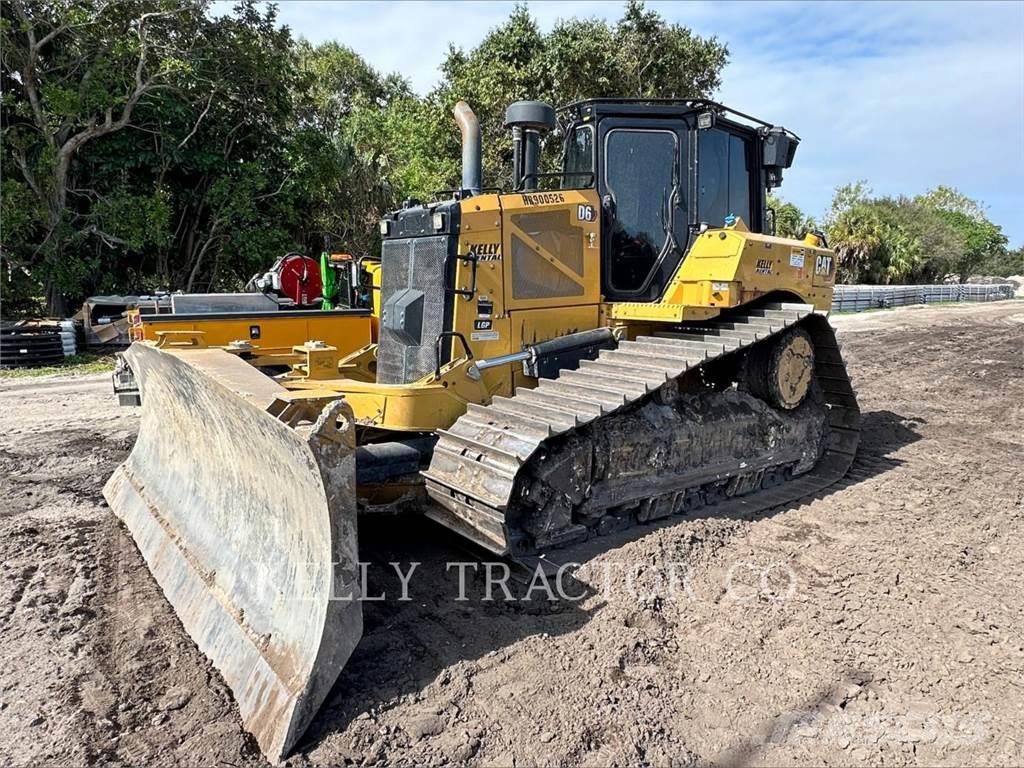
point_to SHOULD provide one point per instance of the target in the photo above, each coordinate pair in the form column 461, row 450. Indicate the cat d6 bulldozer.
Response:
column 613, row 341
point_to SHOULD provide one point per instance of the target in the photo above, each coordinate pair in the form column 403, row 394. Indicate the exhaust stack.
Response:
column 472, row 172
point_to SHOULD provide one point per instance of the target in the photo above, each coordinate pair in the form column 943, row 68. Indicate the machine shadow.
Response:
column 408, row 643
column 882, row 433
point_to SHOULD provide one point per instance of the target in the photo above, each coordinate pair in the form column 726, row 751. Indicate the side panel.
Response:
column 482, row 318
column 537, row 274
column 731, row 267
column 771, row 264
column 551, row 247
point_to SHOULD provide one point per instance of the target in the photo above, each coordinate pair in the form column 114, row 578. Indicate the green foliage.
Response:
column 336, row 83
column 22, row 212
column 661, row 59
column 1004, row 264
column 135, row 221
column 854, row 232
column 151, row 144
column 982, row 242
column 790, row 221
column 148, row 144
column 951, row 200
column 902, row 240
column 641, row 55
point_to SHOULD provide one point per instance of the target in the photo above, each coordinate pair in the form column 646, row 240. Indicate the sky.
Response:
column 903, row 95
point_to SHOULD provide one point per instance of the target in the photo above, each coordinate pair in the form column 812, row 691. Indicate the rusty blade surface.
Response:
column 249, row 527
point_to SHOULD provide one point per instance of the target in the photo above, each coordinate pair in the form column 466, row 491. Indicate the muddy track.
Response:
column 878, row 621
column 539, row 446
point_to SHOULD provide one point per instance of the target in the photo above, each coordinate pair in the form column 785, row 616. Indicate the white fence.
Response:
column 857, row 298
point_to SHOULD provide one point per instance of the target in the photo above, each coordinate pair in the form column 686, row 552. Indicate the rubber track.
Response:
column 473, row 471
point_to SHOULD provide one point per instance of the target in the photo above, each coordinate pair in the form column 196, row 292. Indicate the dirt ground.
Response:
column 881, row 622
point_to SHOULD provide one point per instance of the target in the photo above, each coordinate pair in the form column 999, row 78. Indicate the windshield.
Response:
column 579, row 158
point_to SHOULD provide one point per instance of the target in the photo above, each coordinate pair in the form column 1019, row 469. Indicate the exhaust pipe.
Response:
column 472, row 172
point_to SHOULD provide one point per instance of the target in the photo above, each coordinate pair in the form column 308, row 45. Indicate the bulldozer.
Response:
column 608, row 343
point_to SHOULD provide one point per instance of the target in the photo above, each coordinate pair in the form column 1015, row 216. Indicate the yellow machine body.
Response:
column 271, row 333
column 732, row 266
column 538, row 268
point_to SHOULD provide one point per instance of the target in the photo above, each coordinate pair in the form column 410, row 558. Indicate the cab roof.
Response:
column 591, row 109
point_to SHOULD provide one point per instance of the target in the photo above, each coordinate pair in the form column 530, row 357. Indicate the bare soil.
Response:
column 881, row 622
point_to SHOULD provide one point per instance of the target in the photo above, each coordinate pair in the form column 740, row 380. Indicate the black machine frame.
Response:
column 681, row 116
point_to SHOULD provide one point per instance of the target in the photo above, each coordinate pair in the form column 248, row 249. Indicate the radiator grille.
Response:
column 415, row 262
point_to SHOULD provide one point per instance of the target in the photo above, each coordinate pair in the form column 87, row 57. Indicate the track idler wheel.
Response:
column 781, row 373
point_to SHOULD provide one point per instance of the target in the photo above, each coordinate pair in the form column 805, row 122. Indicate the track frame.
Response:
column 477, row 463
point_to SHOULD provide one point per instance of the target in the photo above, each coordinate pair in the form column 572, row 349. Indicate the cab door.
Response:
column 643, row 182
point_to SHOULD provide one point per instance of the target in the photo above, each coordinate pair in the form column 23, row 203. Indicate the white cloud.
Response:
column 932, row 95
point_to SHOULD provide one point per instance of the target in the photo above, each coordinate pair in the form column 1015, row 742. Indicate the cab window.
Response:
column 724, row 177
column 579, row 159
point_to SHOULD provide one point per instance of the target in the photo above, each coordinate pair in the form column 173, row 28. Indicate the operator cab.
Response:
column 665, row 171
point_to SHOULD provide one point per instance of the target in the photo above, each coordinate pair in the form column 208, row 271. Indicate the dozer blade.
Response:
column 249, row 527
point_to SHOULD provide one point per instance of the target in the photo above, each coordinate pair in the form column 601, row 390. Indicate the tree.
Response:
column 152, row 144
column 337, row 83
column 854, row 233
column 581, row 60
column 983, row 242
column 343, row 106
column 79, row 72
column 895, row 240
column 506, row 66
column 193, row 180
column 919, row 246
column 1006, row 264
column 641, row 55
column 237, row 185
column 790, row 221
column 661, row 59
column 950, row 199
column 410, row 146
